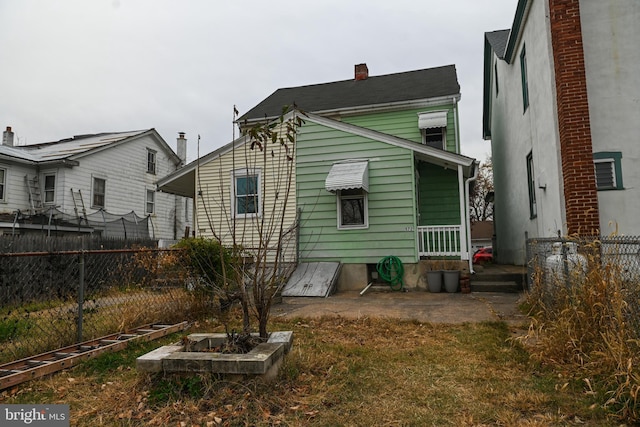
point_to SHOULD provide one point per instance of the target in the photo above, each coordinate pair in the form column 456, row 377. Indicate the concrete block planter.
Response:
column 195, row 357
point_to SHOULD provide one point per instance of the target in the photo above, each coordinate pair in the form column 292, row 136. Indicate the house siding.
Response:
column 16, row 196
column 610, row 39
column 439, row 195
column 213, row 207
column 404, row 124
column 391, row 206
column 124, row 167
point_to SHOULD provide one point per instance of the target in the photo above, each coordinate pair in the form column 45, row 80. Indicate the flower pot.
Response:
column 465, row 284
column 451, row 280
column 434, row 280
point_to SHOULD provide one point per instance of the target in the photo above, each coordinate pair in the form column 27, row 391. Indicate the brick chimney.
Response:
column 362, row 72
column 7, row 137
column 182, row 149
column 576, row 149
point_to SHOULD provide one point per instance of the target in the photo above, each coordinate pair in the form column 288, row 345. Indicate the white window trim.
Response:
column 155, row 161
column 146, row 201
column 93, row 181
column 3, row 199
column 239, row 173
column 44, row 188
column 612, row 162
column 365, row 196
column 444, row 137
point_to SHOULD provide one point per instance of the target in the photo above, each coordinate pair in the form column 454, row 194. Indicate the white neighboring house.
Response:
column 101, row 183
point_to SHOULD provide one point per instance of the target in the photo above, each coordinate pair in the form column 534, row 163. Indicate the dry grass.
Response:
column 361, row 372
column 584, row 326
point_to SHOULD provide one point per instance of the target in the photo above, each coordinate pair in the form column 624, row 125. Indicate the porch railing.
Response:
column 439, row 240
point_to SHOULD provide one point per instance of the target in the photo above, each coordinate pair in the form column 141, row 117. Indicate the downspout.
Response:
column 455, row 123
column 468, row 218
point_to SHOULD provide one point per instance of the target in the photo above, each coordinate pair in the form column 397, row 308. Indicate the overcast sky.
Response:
column 72, row 67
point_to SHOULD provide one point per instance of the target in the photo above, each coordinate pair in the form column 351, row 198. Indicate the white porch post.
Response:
column 464, row 252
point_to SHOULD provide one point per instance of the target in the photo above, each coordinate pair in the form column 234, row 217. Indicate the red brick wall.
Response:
column 581, row 197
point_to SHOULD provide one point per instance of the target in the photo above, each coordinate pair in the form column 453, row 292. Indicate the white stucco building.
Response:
column 561, row 108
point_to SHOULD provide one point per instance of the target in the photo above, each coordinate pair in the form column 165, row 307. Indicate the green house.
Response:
column 378, row 171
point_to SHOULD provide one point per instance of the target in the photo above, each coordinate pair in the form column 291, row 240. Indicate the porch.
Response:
column 442, row 241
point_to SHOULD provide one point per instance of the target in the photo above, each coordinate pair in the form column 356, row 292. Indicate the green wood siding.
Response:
column 404, row 124
column 391, row 199
column 438, row 195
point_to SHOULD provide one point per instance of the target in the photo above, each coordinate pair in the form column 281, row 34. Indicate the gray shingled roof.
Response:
column 398, row 87
column 498, row 41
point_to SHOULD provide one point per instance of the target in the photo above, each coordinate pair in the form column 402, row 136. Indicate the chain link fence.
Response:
column 50, row 300
column 561, row 267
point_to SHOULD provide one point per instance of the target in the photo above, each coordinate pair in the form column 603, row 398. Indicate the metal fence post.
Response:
column 80, row 295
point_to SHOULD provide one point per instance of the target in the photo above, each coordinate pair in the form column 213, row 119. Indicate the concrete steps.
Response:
column 496, row 280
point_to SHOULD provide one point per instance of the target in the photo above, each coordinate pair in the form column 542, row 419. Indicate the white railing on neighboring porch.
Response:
column 439, row 240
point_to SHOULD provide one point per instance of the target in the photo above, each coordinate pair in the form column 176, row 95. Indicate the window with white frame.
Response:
column 352, row 209
column 433, row 127
column 49, row 188
column 151, row 161
column 246, row 193
column 608, row 170
column 98, row 193
column 434, row 137
column 150, row 202
column 3, row 184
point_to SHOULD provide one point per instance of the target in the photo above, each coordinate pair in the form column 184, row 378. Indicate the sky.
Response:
column 73, row 67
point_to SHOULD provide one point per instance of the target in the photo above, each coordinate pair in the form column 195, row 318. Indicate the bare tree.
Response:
column 481, row 195
column 248, row 210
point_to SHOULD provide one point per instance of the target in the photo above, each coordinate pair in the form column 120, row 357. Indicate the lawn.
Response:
column 340, row 372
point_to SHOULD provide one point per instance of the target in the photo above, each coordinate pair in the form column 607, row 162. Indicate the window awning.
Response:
column 348, row 175
column 437, row 119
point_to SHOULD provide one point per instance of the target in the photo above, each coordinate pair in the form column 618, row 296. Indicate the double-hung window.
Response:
column 49, row 188
column 151, row 161
column 150, row 202
column 608, row 170
column 531, row 182
column 246, row 193
column 433, row 127
column 98, row 193
column 3, row 184
column 434, row 137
